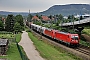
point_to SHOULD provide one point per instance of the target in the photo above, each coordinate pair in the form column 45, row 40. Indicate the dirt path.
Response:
column 29, row 48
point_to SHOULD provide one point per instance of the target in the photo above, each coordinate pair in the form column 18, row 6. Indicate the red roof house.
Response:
column 45, row 18
column 35, row 18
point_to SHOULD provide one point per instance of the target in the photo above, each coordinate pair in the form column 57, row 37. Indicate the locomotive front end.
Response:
column 74, row 39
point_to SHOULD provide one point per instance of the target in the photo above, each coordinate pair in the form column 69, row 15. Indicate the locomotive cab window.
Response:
column 74, row 37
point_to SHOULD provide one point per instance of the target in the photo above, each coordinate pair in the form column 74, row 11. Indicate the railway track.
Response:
column 81, row 49
column 84, row 47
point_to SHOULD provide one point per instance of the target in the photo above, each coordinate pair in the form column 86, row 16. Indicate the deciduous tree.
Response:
column 17, row 27
column 1, row 25
column 10, row 23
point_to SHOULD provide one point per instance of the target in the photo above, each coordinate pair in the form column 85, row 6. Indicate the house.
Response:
column 35, row 18
column 45, row 18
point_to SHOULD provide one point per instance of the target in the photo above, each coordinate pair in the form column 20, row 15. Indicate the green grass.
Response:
column 6, row 35
column 49, row 52
column 85, row 43
column 18, row 37
column 12, row 52
column 86, row 31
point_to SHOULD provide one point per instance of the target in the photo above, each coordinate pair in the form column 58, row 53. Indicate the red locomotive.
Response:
column 68, row 38
column 49, row 32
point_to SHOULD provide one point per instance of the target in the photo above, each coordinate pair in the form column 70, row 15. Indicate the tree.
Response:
column 17, row 27
column 50, row 16
column 10, row 23
column 50, row 20
column 69, row 17
column 60, row 20
column 29, row 18
column 60, row 17
column 0, row 17
column 1, row 25
column 37, row 15
column 40, row 17
column 19, row 19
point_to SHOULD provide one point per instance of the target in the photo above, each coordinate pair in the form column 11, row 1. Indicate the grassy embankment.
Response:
column 12, row 52
column 49, row 52
column 86, row 31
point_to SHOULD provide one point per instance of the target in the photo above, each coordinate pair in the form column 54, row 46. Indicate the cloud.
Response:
column 34, row 5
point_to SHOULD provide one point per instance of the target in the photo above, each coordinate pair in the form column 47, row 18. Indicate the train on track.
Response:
column 67, row 38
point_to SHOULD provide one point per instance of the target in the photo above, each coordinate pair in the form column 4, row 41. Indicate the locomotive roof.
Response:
column 64, row 32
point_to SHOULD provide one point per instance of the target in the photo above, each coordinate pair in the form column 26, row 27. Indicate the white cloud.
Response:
column 34, row 5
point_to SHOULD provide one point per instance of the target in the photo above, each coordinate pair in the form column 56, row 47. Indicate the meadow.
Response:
column 12, row 52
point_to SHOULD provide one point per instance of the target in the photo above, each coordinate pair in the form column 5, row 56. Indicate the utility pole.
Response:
column 29, row 16
column 51, row 21
column 73, row 22
column 29, row 19
column 72, row 17
column 41, row 28
column 29, row 11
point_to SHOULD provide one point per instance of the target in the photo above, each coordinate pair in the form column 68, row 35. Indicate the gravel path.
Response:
column 29, row 48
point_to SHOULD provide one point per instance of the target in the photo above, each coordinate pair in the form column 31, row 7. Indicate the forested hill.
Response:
column 14, row 13
column 69, row 9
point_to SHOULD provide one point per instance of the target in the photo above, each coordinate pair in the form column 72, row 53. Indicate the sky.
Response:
column 35, row 5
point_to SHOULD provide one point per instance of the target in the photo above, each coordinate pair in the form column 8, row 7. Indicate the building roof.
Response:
column 45, row 18
column 35, row 18
column 3, row 41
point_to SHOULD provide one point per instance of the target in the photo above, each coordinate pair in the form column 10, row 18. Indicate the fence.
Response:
column 13, row 40
column 24, row 57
